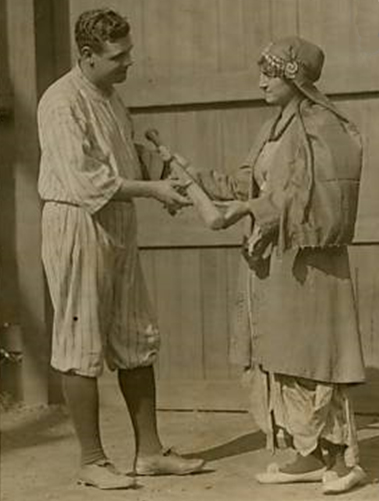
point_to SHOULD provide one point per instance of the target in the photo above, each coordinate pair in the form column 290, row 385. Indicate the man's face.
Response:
column 276, row 90
column 110, row 66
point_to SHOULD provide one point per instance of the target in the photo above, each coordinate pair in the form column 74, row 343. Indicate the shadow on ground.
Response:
column 34, row 427
column 369, row 447
column 246, row 443
column 369, row 453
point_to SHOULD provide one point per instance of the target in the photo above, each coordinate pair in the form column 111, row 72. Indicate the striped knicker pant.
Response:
column 101, row 307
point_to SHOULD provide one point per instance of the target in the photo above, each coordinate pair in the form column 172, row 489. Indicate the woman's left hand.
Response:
column 233, row 211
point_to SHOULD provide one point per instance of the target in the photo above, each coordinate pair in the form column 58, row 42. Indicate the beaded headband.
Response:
column 274, row 66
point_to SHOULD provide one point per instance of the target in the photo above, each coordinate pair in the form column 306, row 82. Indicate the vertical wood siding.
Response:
column 5, row 90
column 195, row 79
column 193, row 292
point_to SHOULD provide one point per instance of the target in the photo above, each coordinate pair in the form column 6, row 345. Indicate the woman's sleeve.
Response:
column 266, row 211
column 221, row 186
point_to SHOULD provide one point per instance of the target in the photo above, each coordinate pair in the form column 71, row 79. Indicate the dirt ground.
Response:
column 39, row 457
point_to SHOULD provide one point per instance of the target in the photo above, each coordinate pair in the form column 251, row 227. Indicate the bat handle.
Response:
column 153, row 136
column 210, row 214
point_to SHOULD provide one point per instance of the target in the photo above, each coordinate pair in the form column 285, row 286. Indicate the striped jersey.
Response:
column 86, row 140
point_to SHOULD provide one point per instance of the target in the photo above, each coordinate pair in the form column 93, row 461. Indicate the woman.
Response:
column 298, row 192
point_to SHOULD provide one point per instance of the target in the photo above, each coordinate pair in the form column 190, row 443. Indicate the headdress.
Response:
column 300, row 62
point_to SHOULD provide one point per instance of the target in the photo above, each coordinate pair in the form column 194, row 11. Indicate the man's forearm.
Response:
column 165, row 191
column 134, row 189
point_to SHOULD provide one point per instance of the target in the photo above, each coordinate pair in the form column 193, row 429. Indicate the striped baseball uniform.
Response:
column 89, row 242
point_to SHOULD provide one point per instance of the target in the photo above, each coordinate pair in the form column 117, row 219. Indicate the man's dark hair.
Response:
column 94, row 27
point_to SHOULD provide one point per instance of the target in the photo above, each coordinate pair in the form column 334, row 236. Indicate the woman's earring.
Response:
column 92, row 64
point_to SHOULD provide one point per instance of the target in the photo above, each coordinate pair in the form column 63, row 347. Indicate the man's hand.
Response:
column 171, row 193
column 233, row 211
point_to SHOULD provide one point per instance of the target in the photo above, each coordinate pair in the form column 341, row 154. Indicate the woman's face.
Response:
column 276, row 90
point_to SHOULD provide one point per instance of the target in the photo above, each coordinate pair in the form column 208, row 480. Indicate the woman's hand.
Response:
column 233, row 211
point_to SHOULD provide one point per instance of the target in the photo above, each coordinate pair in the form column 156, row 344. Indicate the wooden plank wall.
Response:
column 198, row 72
column 195, row 79
column 5, row 88
column 205, row 50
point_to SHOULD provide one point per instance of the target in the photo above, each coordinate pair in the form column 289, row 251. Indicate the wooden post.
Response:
column 5, row 91
column 28, row 26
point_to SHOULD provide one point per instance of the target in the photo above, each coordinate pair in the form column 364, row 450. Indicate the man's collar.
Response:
column 90, row 87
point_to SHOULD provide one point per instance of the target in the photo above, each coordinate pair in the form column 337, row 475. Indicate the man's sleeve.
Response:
column 75, row 158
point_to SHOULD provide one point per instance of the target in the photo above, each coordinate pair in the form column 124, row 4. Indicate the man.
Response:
column 89, row 175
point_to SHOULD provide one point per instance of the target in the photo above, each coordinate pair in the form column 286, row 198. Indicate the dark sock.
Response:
column 138, row 389
column 82, row 399
column 305, row 464
column 337, row 461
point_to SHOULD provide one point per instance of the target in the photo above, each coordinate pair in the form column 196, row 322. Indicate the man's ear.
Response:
column 86, row 53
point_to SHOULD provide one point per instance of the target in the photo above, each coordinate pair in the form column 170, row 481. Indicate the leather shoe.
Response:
column 333, row 484
column 167, row 463
column 104, row 475
column 273, row 475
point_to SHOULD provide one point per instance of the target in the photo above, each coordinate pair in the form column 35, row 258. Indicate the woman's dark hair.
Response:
column 94, row 27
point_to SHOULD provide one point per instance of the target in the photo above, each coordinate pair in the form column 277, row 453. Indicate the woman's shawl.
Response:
column 317, row 204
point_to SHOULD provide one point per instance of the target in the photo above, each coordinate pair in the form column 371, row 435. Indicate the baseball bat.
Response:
column 211, row 216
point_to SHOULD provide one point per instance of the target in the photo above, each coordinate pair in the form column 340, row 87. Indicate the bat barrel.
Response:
column 210, row 214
